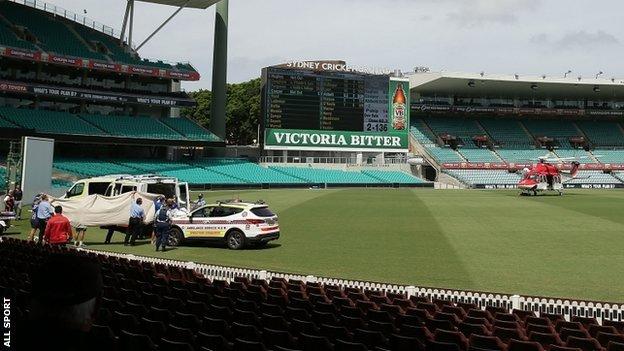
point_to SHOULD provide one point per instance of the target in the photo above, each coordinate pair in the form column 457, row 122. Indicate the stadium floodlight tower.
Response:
column 219, row 64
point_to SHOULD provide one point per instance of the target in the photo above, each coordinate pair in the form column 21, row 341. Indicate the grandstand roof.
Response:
column 512, row 86
column 197, row 4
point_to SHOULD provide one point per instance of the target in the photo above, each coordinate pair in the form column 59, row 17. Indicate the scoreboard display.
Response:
column 325, row 108
column 326, row 101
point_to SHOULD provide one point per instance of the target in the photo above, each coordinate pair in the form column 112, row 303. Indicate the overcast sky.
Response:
column 496, row 36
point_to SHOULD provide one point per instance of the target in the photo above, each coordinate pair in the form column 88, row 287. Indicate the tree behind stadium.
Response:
column 242, row 111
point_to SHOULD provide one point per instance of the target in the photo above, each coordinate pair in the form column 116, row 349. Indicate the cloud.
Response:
column 576, row 40
column 480, row 12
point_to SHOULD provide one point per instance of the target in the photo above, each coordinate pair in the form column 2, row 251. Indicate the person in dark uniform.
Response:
column 18, row 194
column 135, row 224
column 109, row 235
column 162, row 224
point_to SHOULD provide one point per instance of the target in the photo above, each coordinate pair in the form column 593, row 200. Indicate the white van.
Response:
column 113, row 185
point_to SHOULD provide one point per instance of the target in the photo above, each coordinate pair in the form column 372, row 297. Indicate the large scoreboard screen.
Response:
column 339, row 109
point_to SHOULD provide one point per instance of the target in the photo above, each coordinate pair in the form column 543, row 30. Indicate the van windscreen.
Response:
column 167, row 189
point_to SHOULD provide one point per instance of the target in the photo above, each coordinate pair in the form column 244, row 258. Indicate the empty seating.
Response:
column 52, row 35
column 133, row 127
column 560, row 130
column 51, row 122
column 474, row 177
column 464, row 129
column 603, row 133
column 189, row 129
column 234, row 322
column 507, row 133
column 479, row 155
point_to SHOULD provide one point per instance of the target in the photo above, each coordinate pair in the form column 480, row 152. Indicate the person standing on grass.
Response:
column 81, row 230
column 162, row 225
column 44, row 212
column 34, row 223
column 58, row 229
column 18, row 194
column 135, row 224
column 9, row 202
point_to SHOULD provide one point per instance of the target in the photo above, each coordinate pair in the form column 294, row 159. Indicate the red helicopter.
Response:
column 545, row 176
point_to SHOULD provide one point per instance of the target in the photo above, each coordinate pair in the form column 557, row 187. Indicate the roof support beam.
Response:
column 163, row 24
column 125, row 21
column 219, row 71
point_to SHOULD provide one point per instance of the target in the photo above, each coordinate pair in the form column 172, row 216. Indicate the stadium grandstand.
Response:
column 99, row 100
column 481, row 129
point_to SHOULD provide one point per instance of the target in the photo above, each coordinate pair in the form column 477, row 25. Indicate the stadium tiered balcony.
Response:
column 249, row 172
column 603, row 133
column 189, row 129
column 579, row 154
column 119, row 53
column 127, row 127
column 6, row 123
column 594, row 177
column 479, row 155
column 445, row 155
column 152, row 166
column 218, row 171
column 51, row 122
column 421, row 132
column 59, row 32
column 84, row 167
column 610, row 156
column 557, row 129
column 508, row 133
column 9, row 38
column 199, row 175
column 133, row 127
column 474, row 177
column 465, row 129
column 423, row 135
column 52, row 35
column 393, row 177
column 521, row 156
column 320, row 176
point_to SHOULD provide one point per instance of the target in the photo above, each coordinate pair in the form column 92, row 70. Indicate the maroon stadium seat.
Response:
column 546, row 339
column 521, row 345
column 453, row 337
column 605, row 338
column 312, row 342
column 585, row 344
column 487, row 342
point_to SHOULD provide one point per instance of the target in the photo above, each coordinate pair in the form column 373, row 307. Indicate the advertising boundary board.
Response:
column 516, row 166
column 519, row 111
column 565, row 186
column 92, row 95
column 60, row 60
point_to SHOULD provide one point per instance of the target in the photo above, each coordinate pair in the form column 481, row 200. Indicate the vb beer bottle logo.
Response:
column 399, row 106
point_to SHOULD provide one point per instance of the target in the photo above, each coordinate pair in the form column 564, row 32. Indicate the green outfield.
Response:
column 570, row 246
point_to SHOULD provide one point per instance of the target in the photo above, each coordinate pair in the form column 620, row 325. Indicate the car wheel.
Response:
column 235, row 240
column 175, row 237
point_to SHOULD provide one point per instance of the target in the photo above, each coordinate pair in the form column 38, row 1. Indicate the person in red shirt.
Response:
column 58, row 230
